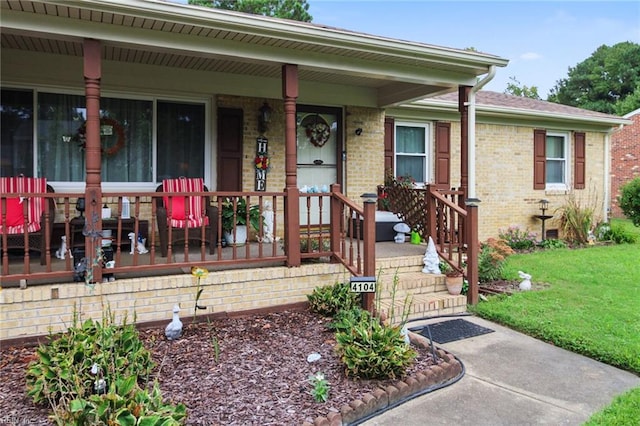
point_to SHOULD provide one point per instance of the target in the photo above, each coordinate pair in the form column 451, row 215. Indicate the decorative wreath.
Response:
column 81, row 136
column 261, row 162
column 318, row 131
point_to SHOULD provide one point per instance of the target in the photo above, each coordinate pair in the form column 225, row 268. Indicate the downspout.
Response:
column 471, row 131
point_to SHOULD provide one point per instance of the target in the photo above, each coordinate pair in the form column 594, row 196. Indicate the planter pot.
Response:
column 454, row 285
column 240, row 236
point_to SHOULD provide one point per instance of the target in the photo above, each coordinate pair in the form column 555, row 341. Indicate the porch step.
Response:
column 424, row 305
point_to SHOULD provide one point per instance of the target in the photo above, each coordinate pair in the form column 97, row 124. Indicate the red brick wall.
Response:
column 625, row 159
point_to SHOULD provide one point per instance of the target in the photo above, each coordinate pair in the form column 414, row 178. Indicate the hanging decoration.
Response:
column 317, row 129
column 108, row 127
column 261, row 163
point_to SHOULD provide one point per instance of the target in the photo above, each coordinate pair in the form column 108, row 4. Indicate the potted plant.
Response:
column 453, row 278
column 234, row 224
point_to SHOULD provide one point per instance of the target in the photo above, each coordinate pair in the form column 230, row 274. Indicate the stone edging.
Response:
column 381, row 400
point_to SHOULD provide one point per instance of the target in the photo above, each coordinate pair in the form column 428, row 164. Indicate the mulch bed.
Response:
column 259, row 378
column 507, row 287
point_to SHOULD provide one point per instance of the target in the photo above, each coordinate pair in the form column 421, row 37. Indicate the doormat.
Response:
column 452, row 330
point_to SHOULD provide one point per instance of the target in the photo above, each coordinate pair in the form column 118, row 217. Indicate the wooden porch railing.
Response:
column 441, row 215
column 326, row 232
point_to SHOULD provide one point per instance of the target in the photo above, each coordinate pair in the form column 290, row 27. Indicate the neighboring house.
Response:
column 526, row 150
column 625, row 158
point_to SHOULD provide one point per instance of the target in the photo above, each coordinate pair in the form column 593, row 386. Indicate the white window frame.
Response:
column 427, row 156
column 567, row 162
column 64, row 186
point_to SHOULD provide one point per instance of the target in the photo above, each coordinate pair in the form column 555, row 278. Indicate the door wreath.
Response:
column 81, row 135
column 317, row 129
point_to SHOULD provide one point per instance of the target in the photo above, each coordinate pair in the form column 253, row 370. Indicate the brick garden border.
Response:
column 380, row 400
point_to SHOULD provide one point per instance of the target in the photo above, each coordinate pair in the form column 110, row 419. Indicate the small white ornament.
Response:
column 314, row 357
column 525, row 285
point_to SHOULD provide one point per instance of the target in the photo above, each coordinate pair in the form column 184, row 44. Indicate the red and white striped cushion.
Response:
column 179, row 218
column 15, row 219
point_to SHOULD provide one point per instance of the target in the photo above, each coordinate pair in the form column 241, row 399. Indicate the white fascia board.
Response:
column 293, row 31
column 498, row 111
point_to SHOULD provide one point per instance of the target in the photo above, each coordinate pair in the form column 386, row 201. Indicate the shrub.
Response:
column 328, row 300
column 551, row 244
column 576, row 220
column 492, row 255
column 616, row 233
column 371, row 350
column 345, row 318
column 518, row 239
column 629, row 200
column 90, row 366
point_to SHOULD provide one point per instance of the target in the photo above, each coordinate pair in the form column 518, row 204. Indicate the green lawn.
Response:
column 592, row 306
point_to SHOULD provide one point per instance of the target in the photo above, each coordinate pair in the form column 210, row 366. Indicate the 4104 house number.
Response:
column 363, row 285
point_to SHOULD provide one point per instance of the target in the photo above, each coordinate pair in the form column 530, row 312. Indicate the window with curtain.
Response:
column 411, row 143
column 556, row 153
column 16, row 132
column 126, row 137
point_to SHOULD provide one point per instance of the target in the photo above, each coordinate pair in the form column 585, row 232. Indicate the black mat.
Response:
column 452, row 330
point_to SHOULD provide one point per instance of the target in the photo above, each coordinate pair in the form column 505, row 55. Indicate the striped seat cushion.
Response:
column 15, row 205
column 177, row 216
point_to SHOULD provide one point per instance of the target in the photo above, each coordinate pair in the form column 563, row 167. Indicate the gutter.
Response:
column 471, row 132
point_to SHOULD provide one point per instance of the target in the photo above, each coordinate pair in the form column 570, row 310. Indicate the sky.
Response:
column 541, row 39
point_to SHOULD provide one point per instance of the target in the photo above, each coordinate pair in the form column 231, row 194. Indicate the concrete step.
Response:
column 423, row 306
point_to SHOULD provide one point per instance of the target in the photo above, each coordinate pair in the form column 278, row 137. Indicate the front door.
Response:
column 319, row 143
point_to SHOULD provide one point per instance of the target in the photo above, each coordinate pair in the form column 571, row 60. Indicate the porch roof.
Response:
column 162, row 33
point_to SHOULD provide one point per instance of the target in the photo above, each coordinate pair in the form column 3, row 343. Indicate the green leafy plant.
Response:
column 309, row 245
column 345, row 318
column 493, row 253
column 629, row 200
column 93, row 371
column 518, row 239
column 320, row 386
column 552, row 243
column 329, row 299
column 235, row 212
column 616, row 233
column 576, row 219
column 371, row 350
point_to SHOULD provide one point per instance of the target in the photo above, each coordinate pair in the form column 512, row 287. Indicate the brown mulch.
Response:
column 260, row 376
column 507, row 287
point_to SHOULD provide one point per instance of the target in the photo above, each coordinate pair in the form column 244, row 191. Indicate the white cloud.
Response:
column 530, row 56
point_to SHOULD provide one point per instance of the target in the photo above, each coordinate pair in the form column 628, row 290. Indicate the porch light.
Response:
column 264, row 118
column 544, row 205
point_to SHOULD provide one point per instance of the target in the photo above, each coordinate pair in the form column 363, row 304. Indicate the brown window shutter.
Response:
column 539, row 158
column 443, row 155
column 579, row 180
column 389, row 144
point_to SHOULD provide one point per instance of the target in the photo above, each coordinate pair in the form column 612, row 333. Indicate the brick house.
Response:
column 625, row 158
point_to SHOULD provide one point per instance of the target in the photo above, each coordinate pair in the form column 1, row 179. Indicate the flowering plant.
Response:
column 198, row 273
column 320, row 385
column 262, row 162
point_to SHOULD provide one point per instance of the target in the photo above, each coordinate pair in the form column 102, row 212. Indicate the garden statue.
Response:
column 431, row 260
column 267, row 215
column 174, row 328
column 62, row 251
column 526, row 281
column 137, row 244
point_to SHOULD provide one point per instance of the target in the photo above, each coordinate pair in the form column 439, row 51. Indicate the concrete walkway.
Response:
column 512, row 379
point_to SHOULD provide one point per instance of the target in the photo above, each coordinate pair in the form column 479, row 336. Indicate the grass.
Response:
column 592, row 307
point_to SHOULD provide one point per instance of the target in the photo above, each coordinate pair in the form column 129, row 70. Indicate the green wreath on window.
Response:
column 81, row 135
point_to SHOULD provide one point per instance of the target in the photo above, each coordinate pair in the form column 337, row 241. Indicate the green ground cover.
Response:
column 592, row 307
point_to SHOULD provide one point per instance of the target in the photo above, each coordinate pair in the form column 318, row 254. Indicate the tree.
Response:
column 515, row 88
column 287, row 9
column 604, row 81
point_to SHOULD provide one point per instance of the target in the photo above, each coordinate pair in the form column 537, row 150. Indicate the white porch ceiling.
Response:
column 159, row 33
